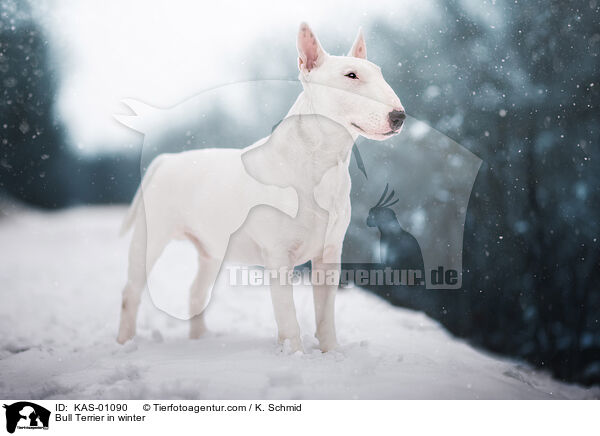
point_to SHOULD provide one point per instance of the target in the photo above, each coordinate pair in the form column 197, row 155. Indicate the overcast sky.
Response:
column 162, row 52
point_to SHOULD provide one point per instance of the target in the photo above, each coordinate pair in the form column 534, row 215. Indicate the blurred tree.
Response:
column 37, row 163
column 521, row 92
column 33, row 161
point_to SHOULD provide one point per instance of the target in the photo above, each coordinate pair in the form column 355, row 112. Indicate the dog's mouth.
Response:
column 358, row 127
column 389, row 133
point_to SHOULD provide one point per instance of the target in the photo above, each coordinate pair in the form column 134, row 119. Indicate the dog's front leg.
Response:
column 325, row 280
column 285, row 310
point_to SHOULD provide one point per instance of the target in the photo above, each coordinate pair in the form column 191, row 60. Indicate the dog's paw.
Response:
column 124, row 337
column 327, row 344
column 126, row 332
column 197, row 327
column 197, row 332
column 291, row 345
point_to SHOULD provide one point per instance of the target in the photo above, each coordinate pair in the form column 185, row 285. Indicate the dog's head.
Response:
column 348, row 89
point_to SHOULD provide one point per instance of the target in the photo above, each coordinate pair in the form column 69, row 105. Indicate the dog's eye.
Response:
column 351, row 75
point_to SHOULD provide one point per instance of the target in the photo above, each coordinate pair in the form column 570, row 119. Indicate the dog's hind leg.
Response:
column 202, row 287
column 143, row 254
column 200, row 294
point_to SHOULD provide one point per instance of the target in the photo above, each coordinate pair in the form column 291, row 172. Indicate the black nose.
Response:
column 396, row 119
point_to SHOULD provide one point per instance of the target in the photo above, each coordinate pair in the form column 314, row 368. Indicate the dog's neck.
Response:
column 304, row 106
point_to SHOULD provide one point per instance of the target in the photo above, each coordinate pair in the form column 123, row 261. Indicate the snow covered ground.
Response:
column 61, row 276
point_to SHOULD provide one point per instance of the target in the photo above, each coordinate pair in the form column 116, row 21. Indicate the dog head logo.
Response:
column 26, row 415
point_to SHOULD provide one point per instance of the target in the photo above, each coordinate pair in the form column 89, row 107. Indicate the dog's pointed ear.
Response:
column 359, row 48
column 310, row 52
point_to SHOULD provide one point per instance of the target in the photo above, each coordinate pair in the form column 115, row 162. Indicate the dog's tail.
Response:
column 134, row 209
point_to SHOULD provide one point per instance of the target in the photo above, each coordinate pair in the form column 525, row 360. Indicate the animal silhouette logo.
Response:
column 26, row 415
column 397, row 247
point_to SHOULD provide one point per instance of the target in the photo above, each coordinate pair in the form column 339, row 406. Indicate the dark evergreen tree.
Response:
column 34, row 162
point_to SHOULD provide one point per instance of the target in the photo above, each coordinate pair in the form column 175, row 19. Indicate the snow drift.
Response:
column 62, row 275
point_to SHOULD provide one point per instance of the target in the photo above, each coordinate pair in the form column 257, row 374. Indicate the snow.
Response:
column 62, row 274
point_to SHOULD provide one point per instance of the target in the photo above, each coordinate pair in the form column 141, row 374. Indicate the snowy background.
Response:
column 514, row 83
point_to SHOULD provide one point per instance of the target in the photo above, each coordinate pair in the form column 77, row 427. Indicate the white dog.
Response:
column 278, row 203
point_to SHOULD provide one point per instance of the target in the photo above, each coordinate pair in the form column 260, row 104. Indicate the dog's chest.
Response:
column 322, row 220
